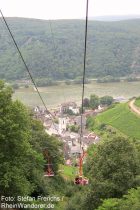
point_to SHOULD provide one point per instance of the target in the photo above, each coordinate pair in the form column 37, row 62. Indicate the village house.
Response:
column 69, row 106
column 53, row 129
column 75, row 150
column 90, row 138
column 40, row 110
column 77, row 121
column 57, row 128
column 71, row 140
column 63, row 122
column 40, row 113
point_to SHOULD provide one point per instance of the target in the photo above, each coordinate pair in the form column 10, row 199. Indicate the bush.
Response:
column 106, row 100
column 102, row 126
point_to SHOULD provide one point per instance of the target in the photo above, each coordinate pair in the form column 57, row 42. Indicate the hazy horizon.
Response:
column 68, row 9
column 96, row 18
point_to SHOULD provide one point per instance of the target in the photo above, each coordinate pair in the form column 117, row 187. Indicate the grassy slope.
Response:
column 137, row 102
column 68, row 172
column 123, row 119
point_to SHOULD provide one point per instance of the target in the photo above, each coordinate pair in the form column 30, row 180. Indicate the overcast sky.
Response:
column 67, row 9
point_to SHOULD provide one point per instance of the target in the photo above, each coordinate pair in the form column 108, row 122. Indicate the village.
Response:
column 66, row 125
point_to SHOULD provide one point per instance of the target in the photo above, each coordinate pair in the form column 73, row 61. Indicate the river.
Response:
column 55, row 95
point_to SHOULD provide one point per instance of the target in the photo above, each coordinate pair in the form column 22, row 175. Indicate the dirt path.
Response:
column 133, row 107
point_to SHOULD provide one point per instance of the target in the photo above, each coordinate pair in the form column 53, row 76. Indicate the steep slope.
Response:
column 123, row 119
column 113, row 48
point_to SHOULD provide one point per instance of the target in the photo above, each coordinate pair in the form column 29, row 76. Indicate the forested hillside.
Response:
column 55, row 50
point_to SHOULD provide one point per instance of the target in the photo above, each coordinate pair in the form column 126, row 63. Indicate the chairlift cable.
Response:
column 84, row 73
column 26, row 66
column 21, row 56
column 80, row 180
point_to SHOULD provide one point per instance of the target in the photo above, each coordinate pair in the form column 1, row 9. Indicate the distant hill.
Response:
column 55, row 50
column 115, row 17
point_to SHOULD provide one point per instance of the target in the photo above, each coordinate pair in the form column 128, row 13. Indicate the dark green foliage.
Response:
column 106, row 100
column 102, row 126
column 75, row 202
column 14, row 146
column 75, row 198
column 74, row 128
column 90, row 122
column 113, row 170
column 22, row 141
column 112, row 49
column 131, row 201
column 94, row 101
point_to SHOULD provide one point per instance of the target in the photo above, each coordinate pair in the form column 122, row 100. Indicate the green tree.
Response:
column 113, row 170
column 94, row 101
column 22, row 141
column 74, row 128
column 129, row 201
column 110, row 204
column 90, row 122
column 106, row 100
column 14, row 145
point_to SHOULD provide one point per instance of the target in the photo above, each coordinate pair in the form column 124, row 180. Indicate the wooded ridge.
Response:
column 55, row 49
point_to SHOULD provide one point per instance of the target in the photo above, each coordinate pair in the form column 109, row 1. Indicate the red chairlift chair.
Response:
column 48, row 167
column 79, row 179
column 49, row 171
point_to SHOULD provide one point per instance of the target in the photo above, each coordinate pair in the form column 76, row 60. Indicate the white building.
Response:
column 75, row 110
column 63, row 121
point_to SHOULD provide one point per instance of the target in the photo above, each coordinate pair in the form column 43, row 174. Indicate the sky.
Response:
column 68, row 9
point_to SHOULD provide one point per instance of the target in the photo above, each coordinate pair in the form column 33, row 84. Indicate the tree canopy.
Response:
column 94, row 101
column 106, row 100
column 22, row 141
column 129, row 201
column 113, row 168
